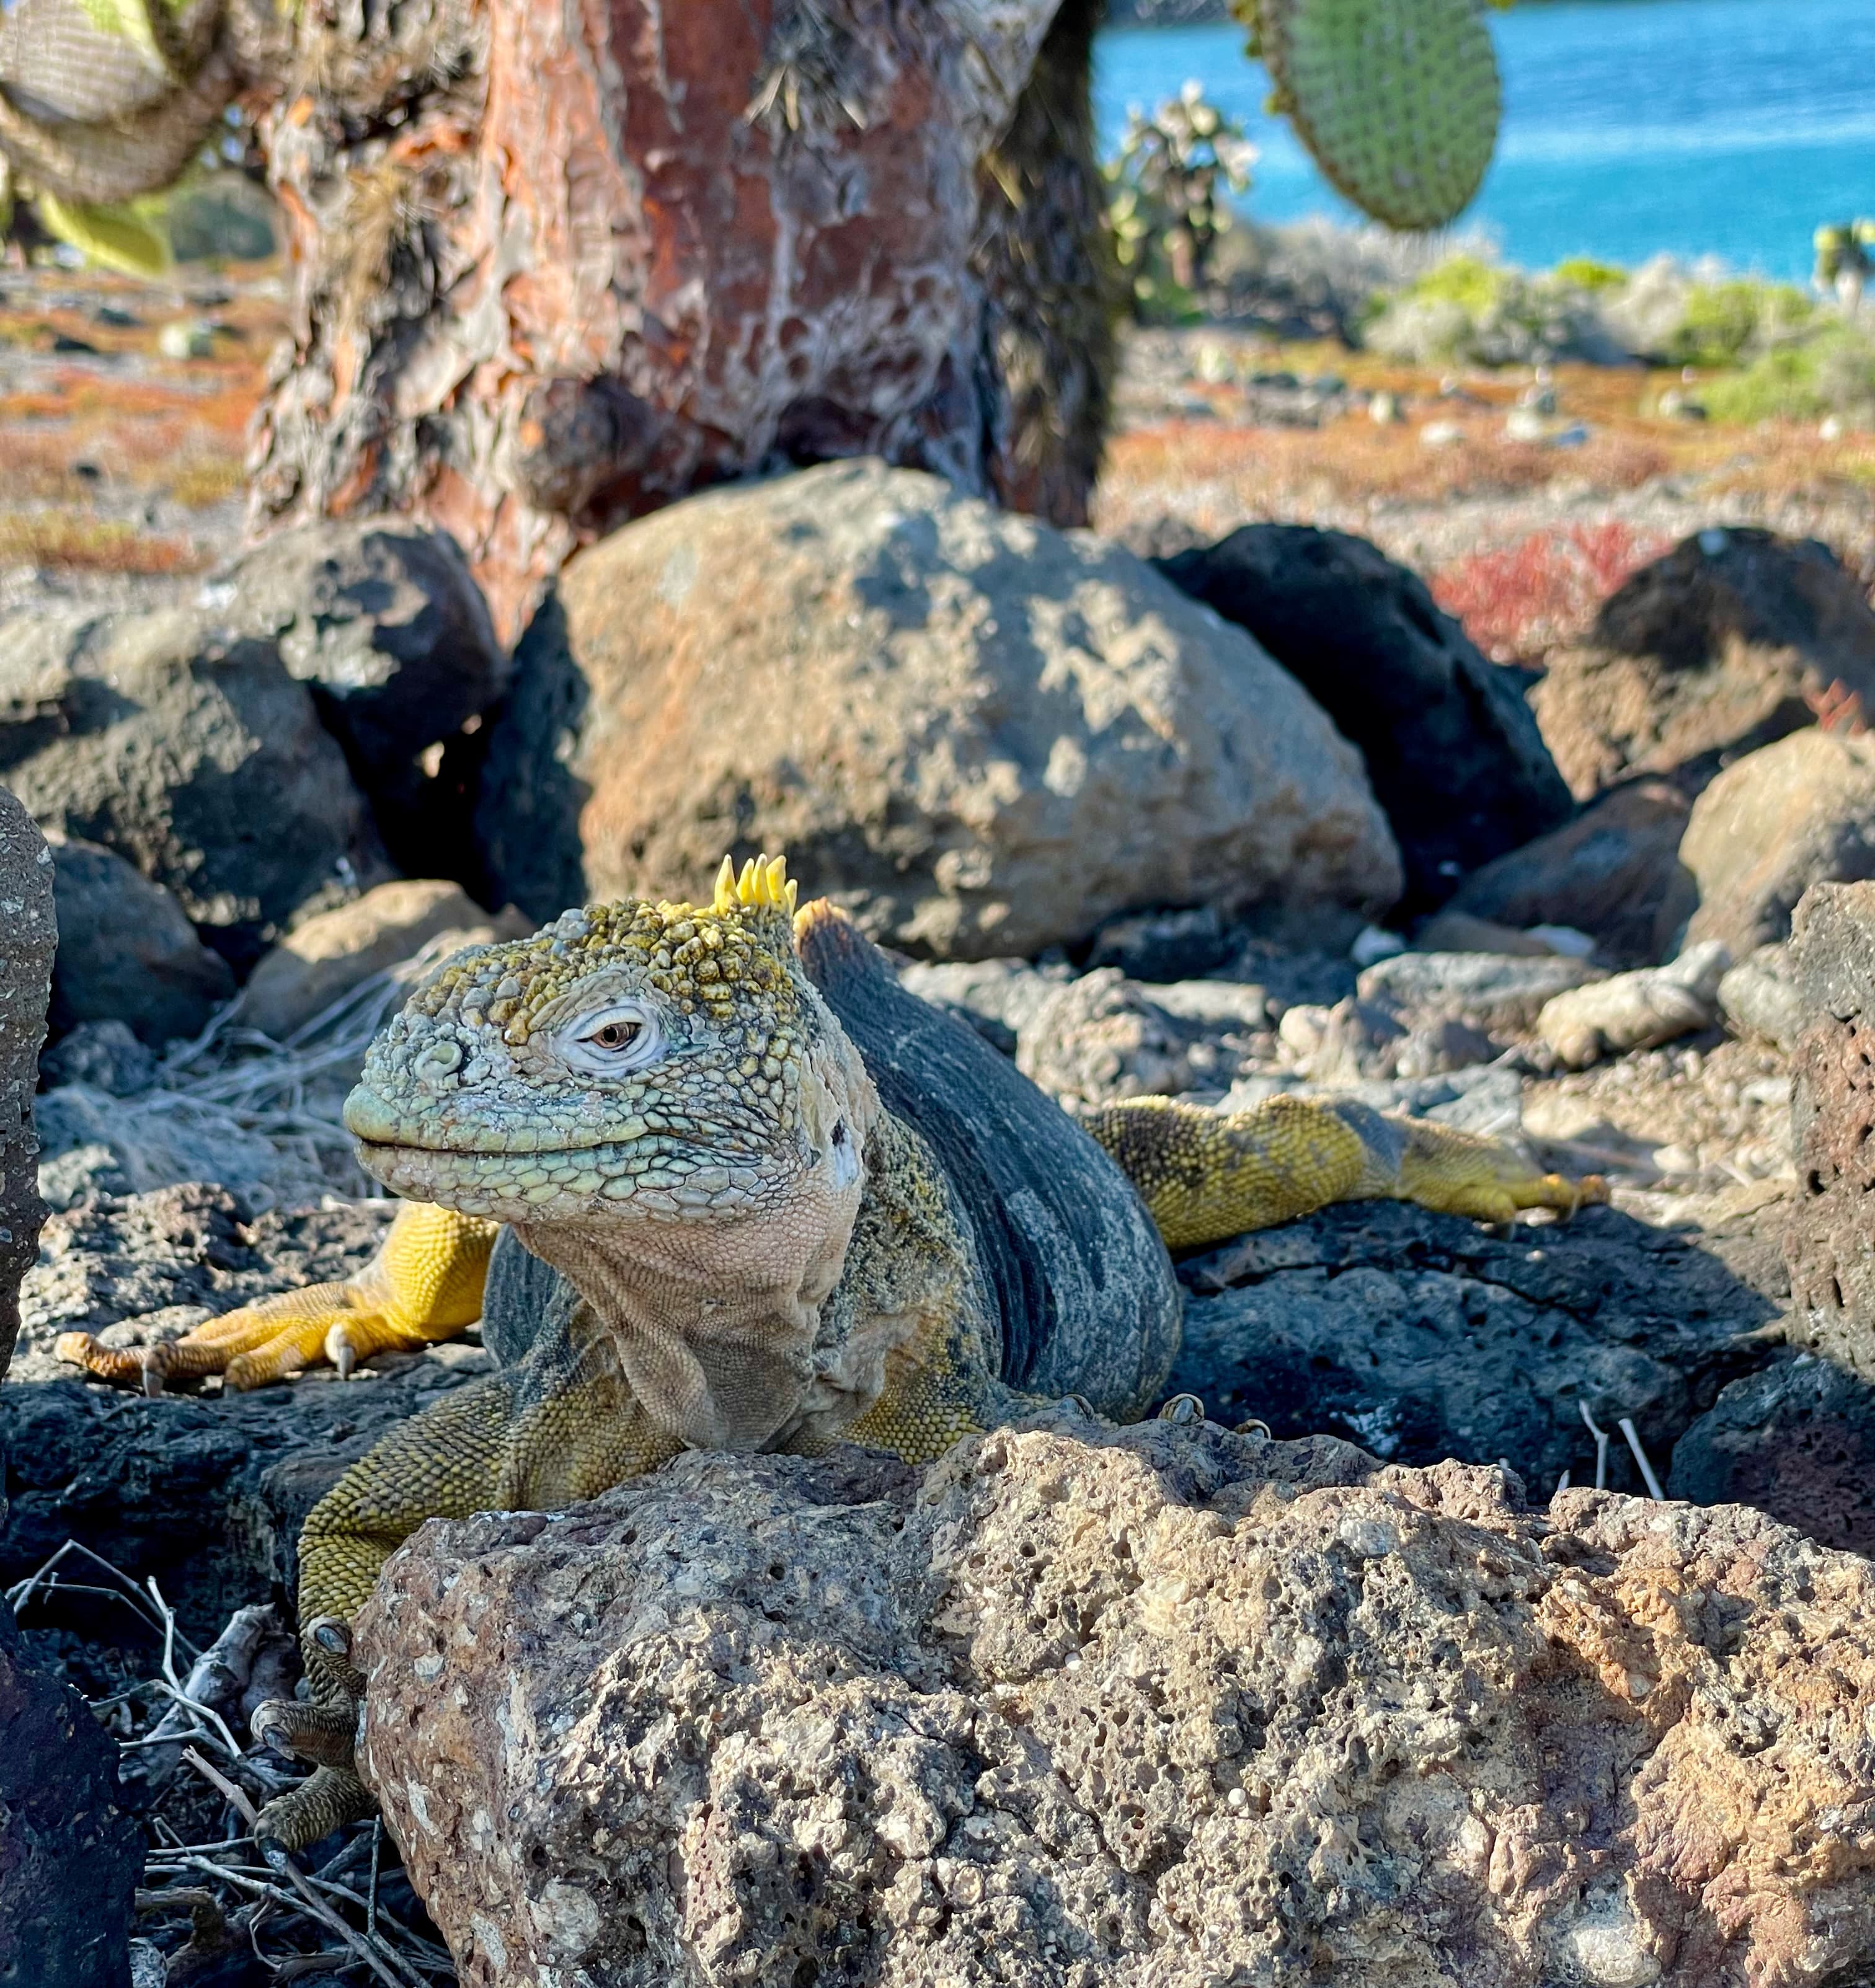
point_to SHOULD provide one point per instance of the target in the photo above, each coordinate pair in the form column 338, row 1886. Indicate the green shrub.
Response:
column 1583, row 272
column 1720, row 323
column 1482, row 314
column 1478, row 288
column 1832, row 372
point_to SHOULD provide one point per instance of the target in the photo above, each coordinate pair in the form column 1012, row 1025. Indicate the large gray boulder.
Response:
column 1166, row 1706
column 1450, row 746
column 979, row 734
column 126, row 952
column 28, row 934
column 190, row 751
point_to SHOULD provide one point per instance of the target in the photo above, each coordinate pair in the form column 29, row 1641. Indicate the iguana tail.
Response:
column 1206, row 1176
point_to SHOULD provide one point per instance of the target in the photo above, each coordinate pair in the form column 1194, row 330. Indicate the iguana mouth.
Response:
column 375, row 1124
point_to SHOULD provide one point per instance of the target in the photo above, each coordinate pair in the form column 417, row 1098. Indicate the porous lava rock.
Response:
column 1450, row 746
column 981, row 735
column 70, row 1851
column 1614, row 872
column 1829, row 1241
column 1792, row 814
column 1796, row 1440
column 192, row 753
column 29, row 934
column 1164, row 1706
column 1726, row 643
column 1421, row 1336
column 127, row 951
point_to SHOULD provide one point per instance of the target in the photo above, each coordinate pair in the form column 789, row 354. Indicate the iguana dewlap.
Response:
column 756, row 1197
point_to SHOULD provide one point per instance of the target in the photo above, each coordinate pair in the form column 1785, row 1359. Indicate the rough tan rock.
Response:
column 1638, row 1010
column 332, row 952
column 1161, row 1707
column 982, row 735
column 1798, row 813
column 29, row 934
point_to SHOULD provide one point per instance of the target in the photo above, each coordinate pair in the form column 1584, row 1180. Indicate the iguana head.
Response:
column 630, row 1063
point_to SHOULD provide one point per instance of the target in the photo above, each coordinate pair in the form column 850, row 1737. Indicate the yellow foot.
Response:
column 423, row 1285
column 1460, row 1173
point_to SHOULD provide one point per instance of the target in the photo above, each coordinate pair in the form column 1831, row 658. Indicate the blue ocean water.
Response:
column 1724, row 127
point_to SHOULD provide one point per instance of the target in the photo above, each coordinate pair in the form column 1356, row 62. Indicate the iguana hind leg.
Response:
column 423, row 1285
column 562, row 1427
column 1206, row 1176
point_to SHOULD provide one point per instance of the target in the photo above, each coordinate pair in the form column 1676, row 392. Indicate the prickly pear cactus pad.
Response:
column 1396, row 99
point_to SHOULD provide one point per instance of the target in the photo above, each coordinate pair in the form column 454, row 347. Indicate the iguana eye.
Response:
column 620, row 1038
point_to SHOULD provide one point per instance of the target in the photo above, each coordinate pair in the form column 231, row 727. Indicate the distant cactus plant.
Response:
column 1169, row 198
column 1397, row 100
column 1844, row 258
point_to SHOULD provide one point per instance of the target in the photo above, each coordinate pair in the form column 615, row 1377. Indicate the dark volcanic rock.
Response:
column 207, row 1492
column 384, row 619
column 126, row 952
column 190, row 751
column 1797, row 1440
column 1453, row 753
column 1708, row 653
column 27, row 934
column 1828, row 1241
column 70, row 1856
column 1423, row 1335
column 1614, row 873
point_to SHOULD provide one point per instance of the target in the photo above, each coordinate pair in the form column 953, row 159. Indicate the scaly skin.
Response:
column 657, row 1100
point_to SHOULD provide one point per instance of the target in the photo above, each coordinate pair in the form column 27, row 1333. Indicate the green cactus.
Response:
column 1397, row 100
column 1168, row 203
column 1845, row 255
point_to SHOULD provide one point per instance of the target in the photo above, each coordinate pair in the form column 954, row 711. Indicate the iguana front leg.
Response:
column 423, row 1285
column 562, row 1428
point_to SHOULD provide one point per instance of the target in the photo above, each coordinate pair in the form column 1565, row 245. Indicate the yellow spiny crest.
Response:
column 764, row 881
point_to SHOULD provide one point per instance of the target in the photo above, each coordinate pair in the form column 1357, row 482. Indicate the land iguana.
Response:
column 756, row 1197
